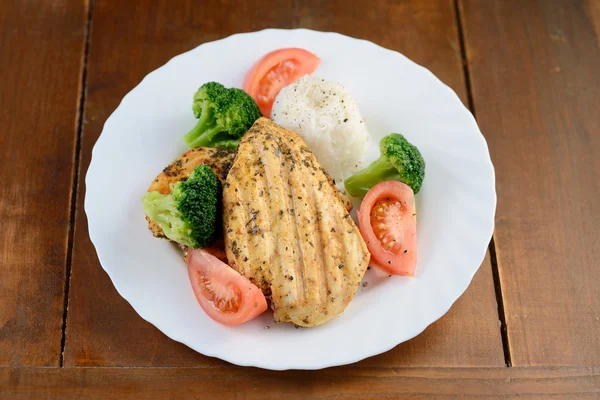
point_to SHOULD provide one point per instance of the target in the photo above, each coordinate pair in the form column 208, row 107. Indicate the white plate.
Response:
column 455, row 206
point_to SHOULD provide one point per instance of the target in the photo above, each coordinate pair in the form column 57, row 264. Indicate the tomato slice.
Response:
column 225, row 295
column 387, row 220
column 275, row 71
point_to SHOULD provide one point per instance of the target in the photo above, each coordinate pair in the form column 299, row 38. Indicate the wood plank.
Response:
column 466, row 336
column 536, row 86
column 340, row 383
column 41, row 61
column 103, row 330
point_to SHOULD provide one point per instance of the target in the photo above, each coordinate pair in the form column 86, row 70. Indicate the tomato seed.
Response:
column 226, row 298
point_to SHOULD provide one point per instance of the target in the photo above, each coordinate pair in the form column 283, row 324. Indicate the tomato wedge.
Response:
column 225, row 295
column 387, row 220
column 275, row 71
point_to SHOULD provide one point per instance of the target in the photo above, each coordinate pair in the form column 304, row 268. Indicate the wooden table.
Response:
column 529, row 324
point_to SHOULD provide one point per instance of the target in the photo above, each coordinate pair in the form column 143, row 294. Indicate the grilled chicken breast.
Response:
column 218, row 159
column 287, row 230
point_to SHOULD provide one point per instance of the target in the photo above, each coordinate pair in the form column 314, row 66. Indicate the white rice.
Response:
column 325, row 115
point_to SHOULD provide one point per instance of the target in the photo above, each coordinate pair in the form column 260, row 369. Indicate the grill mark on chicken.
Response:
column 326, row 223
column 239, row 214
column 342, row 265
column 286, row 171
column 335, row 275
column 274, row 179
column 262, row 227
column 317, row 248
column 298, row 241
column 288, row 247
column 288, row 251
column 265, row 224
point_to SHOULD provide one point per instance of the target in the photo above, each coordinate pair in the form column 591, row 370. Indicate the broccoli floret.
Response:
column 191, row 213
column 399, row 160
column 221, row 111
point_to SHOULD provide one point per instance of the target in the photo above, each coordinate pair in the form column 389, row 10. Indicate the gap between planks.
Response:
column 492, row 246
column 75, row 181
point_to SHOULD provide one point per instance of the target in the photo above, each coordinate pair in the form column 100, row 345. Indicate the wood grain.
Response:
column 249, row 383
column 535, row 72
column 103, row 330
column 468, row 335
column 41, row 50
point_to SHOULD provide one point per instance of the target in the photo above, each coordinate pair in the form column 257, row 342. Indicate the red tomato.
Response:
column 224, row 294
column 388, row 222
column 275, row 71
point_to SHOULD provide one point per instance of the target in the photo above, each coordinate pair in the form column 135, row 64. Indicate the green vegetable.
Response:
column 228, row 113
column 191, row 213
column 224, row 140
column 399, row 160
column 232, row 144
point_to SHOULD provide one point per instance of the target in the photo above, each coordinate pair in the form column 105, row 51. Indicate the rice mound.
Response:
column 326, row 116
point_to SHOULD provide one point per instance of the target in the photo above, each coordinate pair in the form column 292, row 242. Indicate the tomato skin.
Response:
column 388, row 224
column 226, row 296
column 275, row 71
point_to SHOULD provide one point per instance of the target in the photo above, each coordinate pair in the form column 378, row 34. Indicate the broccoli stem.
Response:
column 204, row 131
column 232, row 143
column 380, row 170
